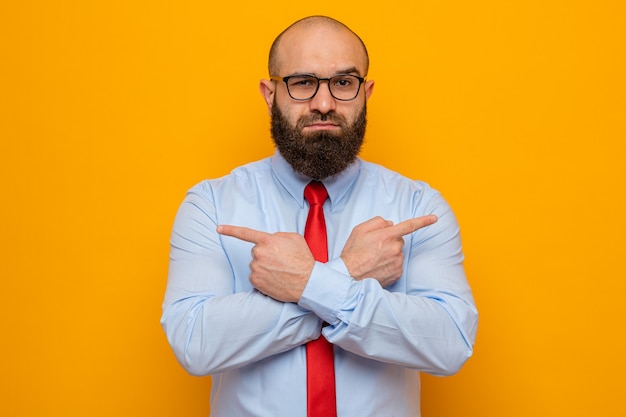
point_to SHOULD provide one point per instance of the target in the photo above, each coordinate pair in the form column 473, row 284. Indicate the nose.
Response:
column 323, row 101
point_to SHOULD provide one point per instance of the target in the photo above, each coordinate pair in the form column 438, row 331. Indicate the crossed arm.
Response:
column 282, row 263
column 214, row 324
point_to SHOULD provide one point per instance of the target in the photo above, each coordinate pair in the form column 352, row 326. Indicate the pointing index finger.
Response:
column 412, row 225
column 242, row 233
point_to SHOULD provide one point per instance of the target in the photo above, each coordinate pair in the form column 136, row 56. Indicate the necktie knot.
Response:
column 315, row 193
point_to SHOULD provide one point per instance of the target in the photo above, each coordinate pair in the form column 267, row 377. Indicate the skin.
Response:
column 282, row 262
column 300, row 52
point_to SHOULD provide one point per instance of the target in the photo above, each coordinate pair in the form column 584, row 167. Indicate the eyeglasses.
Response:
column 302, row 87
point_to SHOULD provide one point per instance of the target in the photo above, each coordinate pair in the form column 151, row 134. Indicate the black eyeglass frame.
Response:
column 319, row 80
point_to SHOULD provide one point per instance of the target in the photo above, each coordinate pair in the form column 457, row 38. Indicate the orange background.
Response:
column 110, row 111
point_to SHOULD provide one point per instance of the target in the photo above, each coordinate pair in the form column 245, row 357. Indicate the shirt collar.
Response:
column 294, row 182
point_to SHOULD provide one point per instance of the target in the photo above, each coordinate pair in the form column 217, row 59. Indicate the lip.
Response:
column 322, row 126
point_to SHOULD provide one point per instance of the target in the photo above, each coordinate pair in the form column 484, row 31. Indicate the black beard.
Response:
column 318, row 155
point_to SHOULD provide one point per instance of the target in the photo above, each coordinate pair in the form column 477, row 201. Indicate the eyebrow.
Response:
column 349, row 70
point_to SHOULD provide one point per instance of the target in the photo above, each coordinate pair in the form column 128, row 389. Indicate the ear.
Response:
column 267, row 88
column 369, row 88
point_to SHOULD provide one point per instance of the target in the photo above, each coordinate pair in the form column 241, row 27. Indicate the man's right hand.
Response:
column 374, row 248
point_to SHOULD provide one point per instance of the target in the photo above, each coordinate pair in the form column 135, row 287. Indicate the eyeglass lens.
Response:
column 342, row 87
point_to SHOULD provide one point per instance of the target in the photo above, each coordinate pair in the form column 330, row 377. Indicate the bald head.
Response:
column 305, row 24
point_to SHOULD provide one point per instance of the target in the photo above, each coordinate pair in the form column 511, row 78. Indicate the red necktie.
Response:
column 320, row 368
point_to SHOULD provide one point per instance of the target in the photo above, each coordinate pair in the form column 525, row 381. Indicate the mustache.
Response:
column 319, row 117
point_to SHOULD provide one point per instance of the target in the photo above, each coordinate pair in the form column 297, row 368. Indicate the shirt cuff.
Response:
column 338, row 265
column 326, row 290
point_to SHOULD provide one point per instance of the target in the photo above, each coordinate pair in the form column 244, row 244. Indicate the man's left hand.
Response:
column 281, row 262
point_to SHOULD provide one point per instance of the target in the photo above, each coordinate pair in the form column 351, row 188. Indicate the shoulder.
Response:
column 379, row 176
column 242, row 177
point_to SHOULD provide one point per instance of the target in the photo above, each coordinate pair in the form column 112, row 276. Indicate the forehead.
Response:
column 320, row 49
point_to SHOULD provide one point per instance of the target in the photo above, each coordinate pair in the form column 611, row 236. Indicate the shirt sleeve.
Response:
column 212, row 325
column 426, row 321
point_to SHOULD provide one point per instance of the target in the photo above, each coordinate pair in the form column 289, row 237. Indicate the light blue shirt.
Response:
column 253, row 345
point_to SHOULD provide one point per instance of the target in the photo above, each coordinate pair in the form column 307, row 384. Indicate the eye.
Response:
column 343, row 81
column 302, row 82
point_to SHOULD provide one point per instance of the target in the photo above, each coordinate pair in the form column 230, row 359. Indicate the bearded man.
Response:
column 313, row 283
